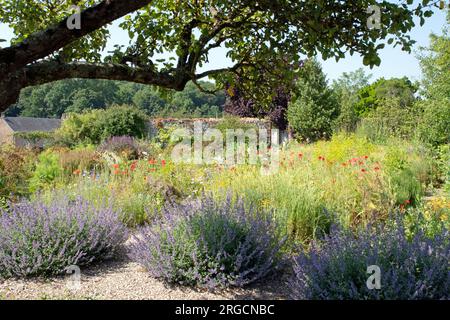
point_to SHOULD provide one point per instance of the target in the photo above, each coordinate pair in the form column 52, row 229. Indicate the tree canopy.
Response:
column 79, row 95
column 256, row 34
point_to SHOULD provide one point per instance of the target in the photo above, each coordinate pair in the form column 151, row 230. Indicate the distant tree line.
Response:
column 76, row 95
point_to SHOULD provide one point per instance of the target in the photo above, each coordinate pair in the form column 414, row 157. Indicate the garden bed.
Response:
column 122, row 279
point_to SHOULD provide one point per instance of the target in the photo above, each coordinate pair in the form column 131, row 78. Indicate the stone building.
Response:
column 11, row 127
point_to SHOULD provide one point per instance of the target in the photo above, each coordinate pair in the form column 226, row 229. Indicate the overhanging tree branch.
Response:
column 41, row 44
column 49, row 71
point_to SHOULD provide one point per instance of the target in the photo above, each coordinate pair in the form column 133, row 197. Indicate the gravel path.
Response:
column 122, row 279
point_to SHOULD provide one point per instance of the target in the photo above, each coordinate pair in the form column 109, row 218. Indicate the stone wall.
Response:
column 158, row 123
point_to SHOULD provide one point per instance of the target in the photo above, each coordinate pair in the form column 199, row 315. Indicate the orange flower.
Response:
column 377, row 168
column 300, row 155
column 77, row 172
column 116, row 171
column 115, row 166
column 363, row 170
column 152, row 161
column 163, row 162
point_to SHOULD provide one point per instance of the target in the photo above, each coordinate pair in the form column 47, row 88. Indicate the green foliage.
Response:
column 121, row 121
column 46, row 172
column 255, row 35
column 435, row 63
column 388, row 120
column 314, row 107
column 97, row 125
column 79, row 95
column 79, row 128
column 434, row 125
column 372, row 96
column 346, row 89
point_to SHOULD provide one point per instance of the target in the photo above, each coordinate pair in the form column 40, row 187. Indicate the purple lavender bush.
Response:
column 412, row 267
column 37, row 239
column 210, row 244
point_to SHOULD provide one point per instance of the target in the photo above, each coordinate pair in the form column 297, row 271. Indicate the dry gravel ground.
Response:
column 122, row 279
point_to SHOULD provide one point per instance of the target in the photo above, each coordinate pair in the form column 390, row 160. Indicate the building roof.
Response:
column 27, row 124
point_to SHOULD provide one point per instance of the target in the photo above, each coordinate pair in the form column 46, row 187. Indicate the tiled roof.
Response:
column 26, row 124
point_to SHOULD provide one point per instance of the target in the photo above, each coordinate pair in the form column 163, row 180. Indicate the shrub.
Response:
column 124, row 146
column 79, row 129
column 16, row 168
column 47, row 170
column 78, row 160
column 95, row 126
column 39, row 239
column 122, row 121
column 434, row 127
column 415, row 268
column 389, row 119
column 314, row 109
column 210, row 244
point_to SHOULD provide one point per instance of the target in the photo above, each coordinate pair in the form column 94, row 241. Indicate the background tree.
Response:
column 237, row 104
column 434, row 122
column 346, row 89
column 257, row 34
column 314, row 106
column 435, row 64
column 371, row 96
column 77, row 95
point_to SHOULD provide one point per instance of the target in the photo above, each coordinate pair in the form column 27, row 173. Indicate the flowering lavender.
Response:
column 39, row 239
column 416, row 268
column 210, row 244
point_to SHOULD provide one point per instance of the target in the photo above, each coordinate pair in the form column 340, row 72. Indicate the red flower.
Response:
column 363, row 170
column 321, row 158
column 300, row 155
column 152, row 161
column 377, row 168
column 115, row 166
column 366, row 157
column 407, row 201
column 163, row 163
column 116, row 171
column 133, row 166
column 77, row 172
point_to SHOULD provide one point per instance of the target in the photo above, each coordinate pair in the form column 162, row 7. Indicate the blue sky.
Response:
column 395, row 62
